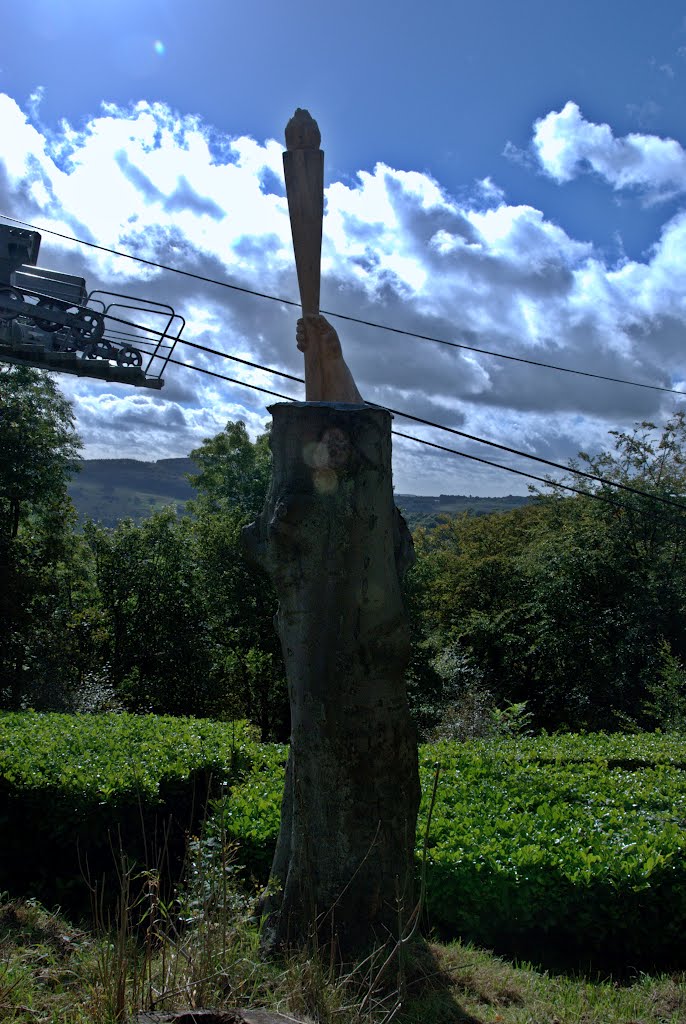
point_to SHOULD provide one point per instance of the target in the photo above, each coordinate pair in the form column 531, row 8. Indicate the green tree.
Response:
column 38, row 446
column 239, row 599
column 637, row 566
column 239, row 606
column 234, row 472
column 567, row 603
column 471, row 600
column 158, row 650
column 188, row 620
column 45, row 642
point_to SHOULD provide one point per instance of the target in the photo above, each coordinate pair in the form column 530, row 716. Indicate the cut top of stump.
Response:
column 232, row 1016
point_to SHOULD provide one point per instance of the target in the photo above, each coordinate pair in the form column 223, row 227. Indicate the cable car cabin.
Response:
column 50, row 320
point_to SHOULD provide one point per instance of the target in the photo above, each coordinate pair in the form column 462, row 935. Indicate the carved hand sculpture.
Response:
column 334, row 382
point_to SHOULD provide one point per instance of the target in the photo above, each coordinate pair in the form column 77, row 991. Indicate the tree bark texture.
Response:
column 336, row 548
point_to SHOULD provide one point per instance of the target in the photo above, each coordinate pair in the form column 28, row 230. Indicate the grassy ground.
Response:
column 52, row 972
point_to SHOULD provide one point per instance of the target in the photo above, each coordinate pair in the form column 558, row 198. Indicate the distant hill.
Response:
column 108, row 490
column 425, row 510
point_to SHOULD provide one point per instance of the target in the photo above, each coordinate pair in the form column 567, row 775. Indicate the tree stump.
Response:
column 336, row 548
column 234, row 1016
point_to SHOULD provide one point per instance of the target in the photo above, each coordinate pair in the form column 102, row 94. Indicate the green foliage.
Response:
column 564, row 604
column 665, row 706
column 108, row 757
column 238, row 607
column 538, row 845
column 252, row 814
column 166, row 616
column 462, row 594
column 38, row 444
column 512, row 721
column 187, row 620
column 75, row 788
column 158, row 655
column 584, row 857
column 234, row 472
column 467, row 708
column 45, row 581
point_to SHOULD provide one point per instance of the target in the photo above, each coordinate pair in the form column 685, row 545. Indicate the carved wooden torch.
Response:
column 303, row 165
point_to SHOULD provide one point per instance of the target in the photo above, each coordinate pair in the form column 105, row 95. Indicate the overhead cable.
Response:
column 232, row 380
column 343, row 316
column 437, row 426
column 431, row 444
column 511, row 469
column 461, row 433
column 417, row 419
column 407, row 437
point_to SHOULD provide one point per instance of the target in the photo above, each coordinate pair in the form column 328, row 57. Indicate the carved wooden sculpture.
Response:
column 336, row 547
column 333, row 381
column 327, row 377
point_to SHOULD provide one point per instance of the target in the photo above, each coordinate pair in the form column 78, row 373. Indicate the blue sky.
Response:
column 509, row 174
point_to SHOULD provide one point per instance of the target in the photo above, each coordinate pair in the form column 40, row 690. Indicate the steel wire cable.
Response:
column 417, row 419
column 661, row 499
column 459, row 433
column 510, row 469
column 605, row 499
column 351, row 319
column 410, row 416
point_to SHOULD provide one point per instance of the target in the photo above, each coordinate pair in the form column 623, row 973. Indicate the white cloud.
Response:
column 489, row 190
column 398, row 249
column 567, row 144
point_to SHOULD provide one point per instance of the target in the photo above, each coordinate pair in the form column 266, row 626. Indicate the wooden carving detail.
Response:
column 302, row 131
column 334, row 382
column 327, row 377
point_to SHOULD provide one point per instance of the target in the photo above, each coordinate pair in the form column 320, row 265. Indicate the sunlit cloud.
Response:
column 398, row 249
column 567, row 144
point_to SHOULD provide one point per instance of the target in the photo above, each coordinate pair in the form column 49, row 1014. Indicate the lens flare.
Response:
column 158, row 47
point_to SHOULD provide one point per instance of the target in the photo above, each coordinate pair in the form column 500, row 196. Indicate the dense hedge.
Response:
column 553, row 847
column 543, row 846
column 77, row 789
column 562, row 846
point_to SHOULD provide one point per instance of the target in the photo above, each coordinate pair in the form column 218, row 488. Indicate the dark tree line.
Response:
column 574, row 605
column 568, row 612
column 166, row 616
column 38, row 451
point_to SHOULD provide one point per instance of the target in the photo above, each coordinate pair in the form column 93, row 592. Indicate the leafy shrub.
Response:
column 537, row 845
column 466, row 704
column 569, row 845
column 539, row 854
column 253, row 812
column 665, row 706
column 76, row 788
